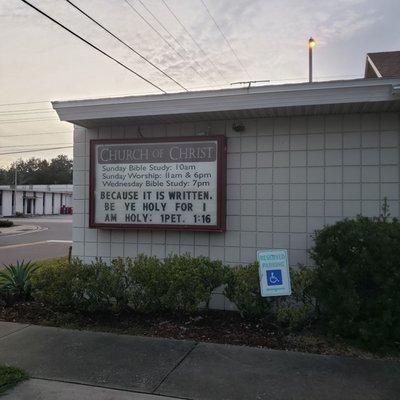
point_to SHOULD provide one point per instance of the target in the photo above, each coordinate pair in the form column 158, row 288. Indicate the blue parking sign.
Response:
column 274, row 277
column 274, row 272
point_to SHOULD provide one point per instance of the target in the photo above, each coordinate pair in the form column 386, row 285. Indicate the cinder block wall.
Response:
column 39, row 203
column 7, row 203
column 19, row 202
column 286, row 178
column 47, row 204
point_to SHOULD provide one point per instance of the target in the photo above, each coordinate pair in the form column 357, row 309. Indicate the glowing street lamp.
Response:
column 311, row 45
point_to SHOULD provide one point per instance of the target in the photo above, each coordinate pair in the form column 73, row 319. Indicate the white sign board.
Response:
column 165, row 183
column 274, row 273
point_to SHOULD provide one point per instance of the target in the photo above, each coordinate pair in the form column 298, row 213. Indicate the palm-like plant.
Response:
column 16, row 280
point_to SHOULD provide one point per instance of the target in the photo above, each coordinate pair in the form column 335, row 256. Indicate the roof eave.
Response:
column 93, row 112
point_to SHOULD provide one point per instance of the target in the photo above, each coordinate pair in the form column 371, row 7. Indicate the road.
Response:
column 51, row 242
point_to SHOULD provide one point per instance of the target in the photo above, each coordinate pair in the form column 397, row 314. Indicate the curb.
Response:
column 19, row 230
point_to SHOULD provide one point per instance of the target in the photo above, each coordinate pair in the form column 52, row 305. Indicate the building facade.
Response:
column 34, row 199
column 298, row 157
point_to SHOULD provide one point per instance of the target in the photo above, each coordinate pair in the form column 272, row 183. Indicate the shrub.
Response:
column 93, row 287
column 102, row 285
column 293, row 312
column 146, row 284
column 243, row 289
column 358, row 279
column 16, row 280
column 10, row 376
column 298, row 310
column 5, row 223
column 191, row 281
column 294, row 317
column 178, row 284
column 60, row 284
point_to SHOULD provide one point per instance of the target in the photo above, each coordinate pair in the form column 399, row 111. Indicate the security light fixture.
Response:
column 238, row 127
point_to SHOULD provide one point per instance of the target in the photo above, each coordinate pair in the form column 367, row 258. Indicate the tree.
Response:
column 36, row 171
column 61, row 169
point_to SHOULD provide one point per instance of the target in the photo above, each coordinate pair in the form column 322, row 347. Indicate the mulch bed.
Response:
column 211, row 326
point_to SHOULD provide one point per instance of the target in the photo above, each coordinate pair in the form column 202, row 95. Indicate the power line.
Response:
column 22, row 112
column 193, row 39
column 36, row 150
column 27, row 102
column 161, row 36
column 30, row 145
column 93, row 46
column 36, row 134
column 125, row 44
column 14, row 121
column 193, row 87
column 226, row 40
column 12, row 110
column 173, row 37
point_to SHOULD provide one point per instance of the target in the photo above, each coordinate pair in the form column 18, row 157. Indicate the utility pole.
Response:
column 311, row 45
column 15, row 188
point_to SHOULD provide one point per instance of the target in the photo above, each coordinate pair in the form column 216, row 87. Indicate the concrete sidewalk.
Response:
column 70, row 364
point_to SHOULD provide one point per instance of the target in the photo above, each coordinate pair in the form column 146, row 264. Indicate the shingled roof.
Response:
column 382, row 65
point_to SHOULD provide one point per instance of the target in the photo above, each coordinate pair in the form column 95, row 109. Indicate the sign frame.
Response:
column 285, row 288
column 221, row 185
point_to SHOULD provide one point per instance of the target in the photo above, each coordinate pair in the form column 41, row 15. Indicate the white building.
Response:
column 34, row 199
column 299, row 156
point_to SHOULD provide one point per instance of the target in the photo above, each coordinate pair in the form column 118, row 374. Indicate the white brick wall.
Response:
column 286, row 178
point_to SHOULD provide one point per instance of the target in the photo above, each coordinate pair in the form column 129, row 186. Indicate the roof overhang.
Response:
column 360, row 95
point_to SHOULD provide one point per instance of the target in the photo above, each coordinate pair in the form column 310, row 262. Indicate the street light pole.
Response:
column 311, row 45
column 15, row 188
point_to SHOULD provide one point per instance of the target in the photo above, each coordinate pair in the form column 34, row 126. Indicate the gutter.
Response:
column 256, row 98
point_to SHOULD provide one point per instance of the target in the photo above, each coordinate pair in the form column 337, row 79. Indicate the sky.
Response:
column 249, row 40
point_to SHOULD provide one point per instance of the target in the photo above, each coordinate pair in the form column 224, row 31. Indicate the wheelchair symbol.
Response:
column 274, row 277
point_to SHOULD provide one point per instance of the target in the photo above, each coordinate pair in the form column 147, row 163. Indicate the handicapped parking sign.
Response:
column 274, row 277
column 274, row 272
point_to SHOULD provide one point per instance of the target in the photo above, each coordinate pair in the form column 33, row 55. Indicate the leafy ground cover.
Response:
column 207, row 326
column 10, row 376
column 5, row 223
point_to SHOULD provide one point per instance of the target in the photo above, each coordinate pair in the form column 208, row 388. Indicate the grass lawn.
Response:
column 10, row 376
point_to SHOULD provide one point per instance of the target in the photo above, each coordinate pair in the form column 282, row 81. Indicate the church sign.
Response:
column 163, row 183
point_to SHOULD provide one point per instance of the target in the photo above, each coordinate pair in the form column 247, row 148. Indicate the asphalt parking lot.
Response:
column 53, row 240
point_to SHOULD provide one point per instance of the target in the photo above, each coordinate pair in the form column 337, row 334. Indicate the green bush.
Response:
column 243, row 289
column 191, row 281
column 93, row 287
column 103, row 285
column 177, row 284
column 294, row 317
column 5, row 223
column 358, row 278
column 298, row 310
column 293, row 312
column 60, row 284
column 10, row 376
column 146, row 284
column 16, row 281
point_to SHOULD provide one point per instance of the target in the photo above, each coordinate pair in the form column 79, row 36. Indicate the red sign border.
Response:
column 221, row 185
